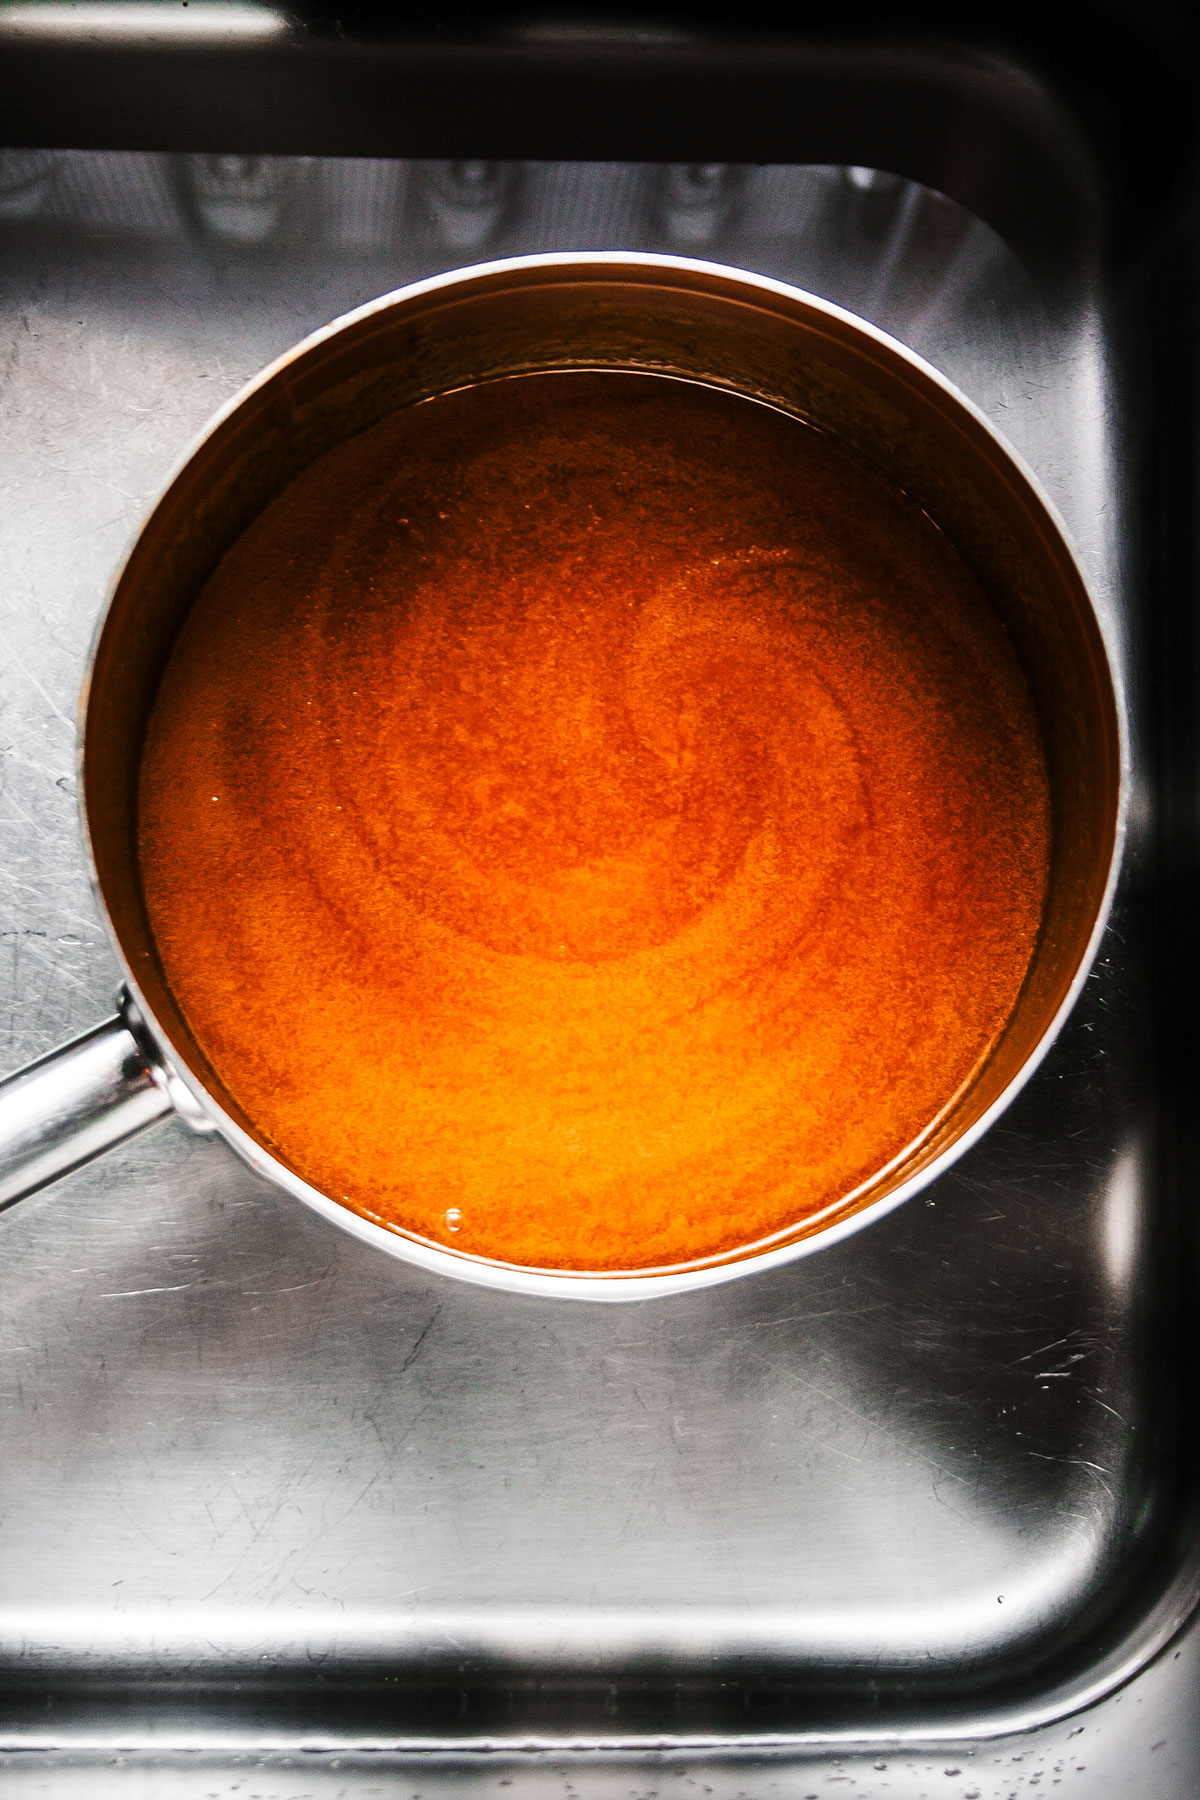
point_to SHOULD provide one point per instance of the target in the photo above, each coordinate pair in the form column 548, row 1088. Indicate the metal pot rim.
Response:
column 197, row 1106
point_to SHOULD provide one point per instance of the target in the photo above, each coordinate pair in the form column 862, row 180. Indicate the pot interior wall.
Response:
column 684, row 322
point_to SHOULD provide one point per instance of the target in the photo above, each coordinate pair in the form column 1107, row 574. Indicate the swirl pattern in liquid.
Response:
column 593, row 821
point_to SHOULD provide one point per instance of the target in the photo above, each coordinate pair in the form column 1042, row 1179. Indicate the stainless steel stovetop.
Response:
column 278, row 1516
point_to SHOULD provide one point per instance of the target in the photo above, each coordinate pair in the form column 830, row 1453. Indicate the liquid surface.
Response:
column 594, row 822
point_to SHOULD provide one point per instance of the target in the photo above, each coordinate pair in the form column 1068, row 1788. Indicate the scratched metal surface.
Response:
column 238, row 1447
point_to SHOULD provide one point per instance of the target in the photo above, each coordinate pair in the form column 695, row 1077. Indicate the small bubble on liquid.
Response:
column 453, row 1219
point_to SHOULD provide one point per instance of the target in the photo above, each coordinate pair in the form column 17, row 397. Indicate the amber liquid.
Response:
column 593, row 821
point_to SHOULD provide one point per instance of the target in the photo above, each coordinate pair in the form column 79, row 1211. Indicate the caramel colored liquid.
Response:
column 593, row 821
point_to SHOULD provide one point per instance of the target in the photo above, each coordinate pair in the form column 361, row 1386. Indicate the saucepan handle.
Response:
column 73, row 1104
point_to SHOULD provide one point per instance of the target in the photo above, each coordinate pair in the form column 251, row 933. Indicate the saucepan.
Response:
column 644, row 313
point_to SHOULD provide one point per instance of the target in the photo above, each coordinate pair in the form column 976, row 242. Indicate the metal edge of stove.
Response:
column 1152, row 1626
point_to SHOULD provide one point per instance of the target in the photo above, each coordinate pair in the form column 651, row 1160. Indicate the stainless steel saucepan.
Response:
column 615, row 311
